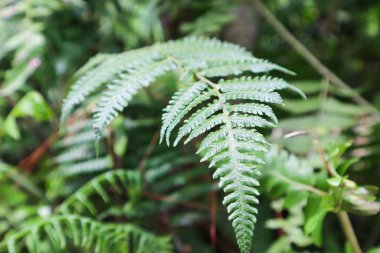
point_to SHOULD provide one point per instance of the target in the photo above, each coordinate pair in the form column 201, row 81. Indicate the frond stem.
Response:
column 298, row 184
column 227, row 120
column 225, row 111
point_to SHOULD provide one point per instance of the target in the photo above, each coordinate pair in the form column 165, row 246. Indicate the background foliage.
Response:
column 54, row 188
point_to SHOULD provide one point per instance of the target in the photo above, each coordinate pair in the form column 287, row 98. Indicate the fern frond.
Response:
column 103, row 72
column 119, row 180
column 83, row 233
column 181, row 103
column 263, row 84
column 230, row 147
column 121, row 91
column 77, row 138
column 227, row 112
column 88, row 166
column 233, row 139
column 77, row 151
column 73, row 154
column 237, row 67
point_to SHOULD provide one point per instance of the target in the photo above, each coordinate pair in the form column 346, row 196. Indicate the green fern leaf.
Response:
column 84, row 233
column 119, row 180
column 100, row 74
column 227, row 112
column 121, row 91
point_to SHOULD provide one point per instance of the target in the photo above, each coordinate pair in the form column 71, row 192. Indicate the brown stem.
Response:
column 29, row 162
column 213, row 210
column 148, row 151
column 323, row 157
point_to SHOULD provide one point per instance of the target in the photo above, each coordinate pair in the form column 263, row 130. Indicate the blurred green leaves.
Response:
column 293, row 184
column 31, row 105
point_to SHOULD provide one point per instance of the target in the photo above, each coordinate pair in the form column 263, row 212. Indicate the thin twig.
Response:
column 213, row 213
column 297, row 184
column 29, row 162
column 349, row 231
column 148, row 151
column 111, row 143
column 309, row 57
column 323, row 157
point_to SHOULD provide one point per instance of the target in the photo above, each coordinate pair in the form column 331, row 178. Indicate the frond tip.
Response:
column 222, row 101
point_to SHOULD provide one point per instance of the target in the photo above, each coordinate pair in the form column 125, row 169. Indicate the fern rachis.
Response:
column 227, row 111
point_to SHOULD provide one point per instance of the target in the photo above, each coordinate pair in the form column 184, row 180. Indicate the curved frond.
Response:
column 83, row 233
column 120, row 91
column 222, row 102
column 77, row 154
column 119, row 180
column 103, row 72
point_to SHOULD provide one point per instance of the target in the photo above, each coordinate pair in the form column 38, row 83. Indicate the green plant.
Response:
column 70, row 230
column 135, row 195
column 228, row 111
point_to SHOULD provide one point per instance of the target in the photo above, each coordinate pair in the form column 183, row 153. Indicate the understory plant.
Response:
column 220, row 101
column 187, row 145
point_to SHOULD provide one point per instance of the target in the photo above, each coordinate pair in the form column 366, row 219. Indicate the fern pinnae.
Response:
column 237, row 67
column 221, row 157
column 249, row 135
column 261, row 84
column 266, row 97
column 76, row 153
column 198, row 100
column 86, row 136
column 254, row 108
column 235, row 195
column 182, row 102
column 130, row 181
column 212, row 138
column 200, row 48
column 96, row 185
column 226, row 112
column 198, row 117
column 120, row 92
column 59, row 232
column 88, row 166
column 251, row 146
column 102, row 73
column 214, row 149
column 86, row 233
column 247, row 121
column 229, row 151
column 208, row 124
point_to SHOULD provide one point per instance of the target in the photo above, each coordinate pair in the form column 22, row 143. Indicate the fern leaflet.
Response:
column 83, row 233
column 221, row 101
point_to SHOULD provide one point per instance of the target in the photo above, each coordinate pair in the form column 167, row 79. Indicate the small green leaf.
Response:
column 313, row 226
column 315, row 213
column 342, row 168
column 31, row 105
column 10, row 127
